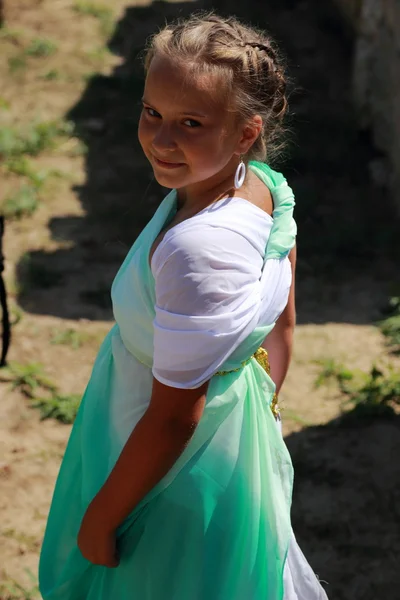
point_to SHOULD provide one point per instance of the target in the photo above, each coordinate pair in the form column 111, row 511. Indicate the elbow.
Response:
column 286, row 325
column 175, row 411
column 179, row 430
column 177, row 427
column 290, row 324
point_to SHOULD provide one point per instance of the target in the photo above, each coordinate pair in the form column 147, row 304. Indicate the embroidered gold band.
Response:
column 261, row 356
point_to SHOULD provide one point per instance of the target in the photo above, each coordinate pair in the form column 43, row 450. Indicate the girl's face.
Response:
column 186, row 129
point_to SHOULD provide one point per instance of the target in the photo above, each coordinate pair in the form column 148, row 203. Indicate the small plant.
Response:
column 31, row 381
column 20, row 165
column 367, row 394
column 98, row 56
column 101, row 12
column 75, row 147
column 16, row 314
column 25, row 201
column 33, row 139
column 28, row 378
column 10, row 589
column 378, row 394
column 17, row 63
column 92, row 9
column 22, row 203
column 30, row 541
column 40, row 47
column 4, row 104
column 10, row 35
column 57, row 406
column 332, row 371
column 390, row 326
column 69, row 337
column 52, row 75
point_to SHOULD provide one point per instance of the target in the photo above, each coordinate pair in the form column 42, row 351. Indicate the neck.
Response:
column 204, row 193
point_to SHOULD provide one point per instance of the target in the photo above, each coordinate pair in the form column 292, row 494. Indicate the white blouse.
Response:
column 213, row 288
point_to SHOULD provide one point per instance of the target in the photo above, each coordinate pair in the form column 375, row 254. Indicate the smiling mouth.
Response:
column 167, row 164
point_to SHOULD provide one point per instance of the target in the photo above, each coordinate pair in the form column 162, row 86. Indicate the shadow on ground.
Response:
column 347, row 230
column 346, row 505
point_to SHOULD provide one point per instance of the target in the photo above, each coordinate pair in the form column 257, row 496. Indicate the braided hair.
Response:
column 251, row 68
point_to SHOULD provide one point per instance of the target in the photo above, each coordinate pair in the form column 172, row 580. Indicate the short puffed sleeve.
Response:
column 208, row 300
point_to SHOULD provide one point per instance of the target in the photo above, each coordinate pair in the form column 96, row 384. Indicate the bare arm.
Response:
column 279, row 342
column 152, row 449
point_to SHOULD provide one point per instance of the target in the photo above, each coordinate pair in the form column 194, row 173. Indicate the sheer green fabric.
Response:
column 217, row 526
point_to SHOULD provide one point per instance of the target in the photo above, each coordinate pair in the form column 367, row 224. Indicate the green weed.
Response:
column 25, row 200
column 28, row 378
column 52, row 75
column 32, row 139
column 16, row 315
column 37, row 48
column 20, row 165
column 332, row 371
column 4, row 104
column 69, row 337
column 30, row 541
column 31, row 381
column 366, row 394
column 10, row 589
column 10, row 35
column 99, row 56
column 22, row 203
column 378, row 394
column 57, row 406
column 17, row 63
column 78, row 148
column 101, row 12
column 390, row 326
column 40, row 48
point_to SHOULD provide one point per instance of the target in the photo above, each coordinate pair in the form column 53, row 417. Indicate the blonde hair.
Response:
column 246, row 58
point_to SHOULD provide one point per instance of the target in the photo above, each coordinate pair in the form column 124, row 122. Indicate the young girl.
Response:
column 176, row 483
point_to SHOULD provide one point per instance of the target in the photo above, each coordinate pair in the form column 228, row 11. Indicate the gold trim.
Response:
column 242, row 364
column 261, row 356
column 275, row 407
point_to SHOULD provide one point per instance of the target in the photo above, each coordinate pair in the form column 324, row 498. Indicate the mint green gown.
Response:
column 217, row 526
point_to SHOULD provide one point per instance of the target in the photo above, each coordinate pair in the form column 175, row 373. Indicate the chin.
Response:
column 169, row 180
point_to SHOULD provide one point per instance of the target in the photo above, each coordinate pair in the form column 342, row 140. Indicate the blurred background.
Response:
column 75, row 191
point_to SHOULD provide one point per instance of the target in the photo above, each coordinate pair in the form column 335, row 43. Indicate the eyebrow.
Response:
column 184, row 114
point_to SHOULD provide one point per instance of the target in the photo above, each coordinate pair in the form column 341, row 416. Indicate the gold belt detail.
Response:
column 261, row 356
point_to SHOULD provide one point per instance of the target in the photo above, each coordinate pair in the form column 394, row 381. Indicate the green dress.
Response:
column 217, row 526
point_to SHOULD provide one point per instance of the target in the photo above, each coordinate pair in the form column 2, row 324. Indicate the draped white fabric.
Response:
column 213, row 288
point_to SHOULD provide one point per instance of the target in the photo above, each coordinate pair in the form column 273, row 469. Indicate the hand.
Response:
column 96, row 541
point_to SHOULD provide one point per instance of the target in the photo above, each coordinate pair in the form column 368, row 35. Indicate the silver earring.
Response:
column 240, row 175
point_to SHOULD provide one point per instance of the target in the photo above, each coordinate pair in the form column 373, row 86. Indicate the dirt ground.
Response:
column 61, row 261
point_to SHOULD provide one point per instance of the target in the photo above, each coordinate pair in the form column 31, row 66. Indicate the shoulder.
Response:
column 218, row 234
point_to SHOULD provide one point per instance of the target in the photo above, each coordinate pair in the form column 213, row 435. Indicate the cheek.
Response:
column 210, row 148
column 144, row 133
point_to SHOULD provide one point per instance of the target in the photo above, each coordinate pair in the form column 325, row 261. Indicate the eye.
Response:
column 192, row 123
column 151, row 112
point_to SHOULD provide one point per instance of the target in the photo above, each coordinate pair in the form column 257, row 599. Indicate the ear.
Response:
column 251, row 130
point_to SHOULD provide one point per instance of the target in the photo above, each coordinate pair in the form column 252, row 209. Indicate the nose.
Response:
column 164, row 139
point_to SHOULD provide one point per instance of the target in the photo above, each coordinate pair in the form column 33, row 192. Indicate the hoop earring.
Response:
column 240, row 175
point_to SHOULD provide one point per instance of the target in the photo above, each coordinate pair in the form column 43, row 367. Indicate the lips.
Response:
column 167, row 164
